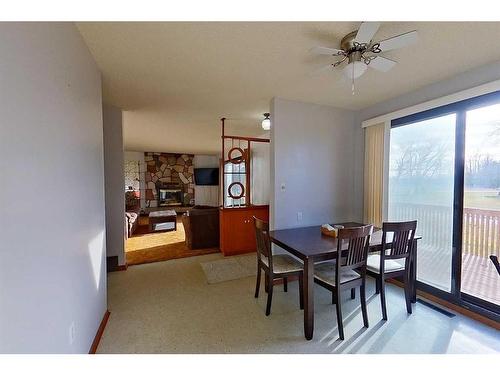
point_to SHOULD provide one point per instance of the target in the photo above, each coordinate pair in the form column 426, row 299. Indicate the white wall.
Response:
column 312, row 151
column 459, row 82
column 52, row 252
column 471, row 78
column 206, row 195
column 138, row 157
column 114, row 183
column 260, row 168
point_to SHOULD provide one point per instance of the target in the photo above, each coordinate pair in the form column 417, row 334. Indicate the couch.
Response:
column 132, row 212
column 201, row 225
column 131, row 222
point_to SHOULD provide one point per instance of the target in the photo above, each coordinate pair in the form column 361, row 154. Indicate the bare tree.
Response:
column 422, row 160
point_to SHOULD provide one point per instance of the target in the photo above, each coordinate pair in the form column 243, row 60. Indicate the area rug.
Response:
column 232, row 268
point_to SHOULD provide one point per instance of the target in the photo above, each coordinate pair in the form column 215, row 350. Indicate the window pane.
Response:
column 481, row 226
column 421, row 187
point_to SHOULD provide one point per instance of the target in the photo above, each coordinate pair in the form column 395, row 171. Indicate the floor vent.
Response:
column 434, row 307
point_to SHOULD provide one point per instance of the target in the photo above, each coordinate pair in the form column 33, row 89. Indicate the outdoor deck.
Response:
column 479, row 276
column 481, row 238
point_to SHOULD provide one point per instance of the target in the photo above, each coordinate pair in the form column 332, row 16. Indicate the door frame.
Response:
column 460, row 108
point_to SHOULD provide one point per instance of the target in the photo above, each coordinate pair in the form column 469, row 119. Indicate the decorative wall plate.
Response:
column 232, row 190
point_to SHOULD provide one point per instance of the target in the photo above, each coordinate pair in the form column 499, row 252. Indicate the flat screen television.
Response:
column 206, row 176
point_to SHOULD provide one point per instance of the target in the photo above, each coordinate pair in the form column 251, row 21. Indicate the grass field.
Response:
column 485, row 199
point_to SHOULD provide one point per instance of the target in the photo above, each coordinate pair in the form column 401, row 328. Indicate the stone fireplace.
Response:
column 170, row 195
column 169, row 179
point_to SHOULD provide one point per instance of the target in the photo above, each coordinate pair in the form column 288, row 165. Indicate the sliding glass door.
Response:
column 444, row 172
column 481, row 208
column 421, row 187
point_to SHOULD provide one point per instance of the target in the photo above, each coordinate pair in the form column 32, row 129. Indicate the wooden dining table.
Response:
column 311, row 246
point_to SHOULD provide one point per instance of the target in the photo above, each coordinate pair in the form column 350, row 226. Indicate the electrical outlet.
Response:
column 299, row 216
column 72, row 333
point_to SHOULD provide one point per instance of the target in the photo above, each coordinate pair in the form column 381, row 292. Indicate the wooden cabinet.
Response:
column 237, row 234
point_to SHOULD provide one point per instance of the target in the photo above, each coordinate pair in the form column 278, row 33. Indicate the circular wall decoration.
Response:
column 236, row 190
column 236, row 159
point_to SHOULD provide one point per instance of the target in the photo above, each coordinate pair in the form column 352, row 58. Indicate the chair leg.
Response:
column 285, row 284
column 333, row 297
column 301, row 292
column 377, row 285
column 362, row 297
column 382, row 298
column 408, row 288
column 340, row 324
column 257, row 285
column 269, row 295
column 353, row 293
column 266, row 284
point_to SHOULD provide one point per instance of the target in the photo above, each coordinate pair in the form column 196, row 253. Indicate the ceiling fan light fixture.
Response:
column 362, row 50
column 355, row 69
column 266, row 123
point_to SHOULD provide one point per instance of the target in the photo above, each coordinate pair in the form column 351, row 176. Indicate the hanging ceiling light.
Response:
column 266, row 123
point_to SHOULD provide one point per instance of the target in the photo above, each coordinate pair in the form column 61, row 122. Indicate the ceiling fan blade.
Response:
column 399, row 41
column 322, row 69
column 382, row 64
column 326, row 51
column 366, row 32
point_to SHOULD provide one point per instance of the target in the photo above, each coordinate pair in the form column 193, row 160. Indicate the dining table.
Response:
column 311, row 246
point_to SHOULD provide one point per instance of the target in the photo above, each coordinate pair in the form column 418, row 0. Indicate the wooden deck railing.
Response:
column 481, row 228
column 481, row 232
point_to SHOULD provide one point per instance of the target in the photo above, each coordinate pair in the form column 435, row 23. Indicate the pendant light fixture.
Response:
column 266, row 123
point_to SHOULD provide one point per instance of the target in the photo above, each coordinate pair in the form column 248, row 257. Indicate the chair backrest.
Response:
column 494, row 259
column 356, row 254
column 263, row 241
column 403, row 234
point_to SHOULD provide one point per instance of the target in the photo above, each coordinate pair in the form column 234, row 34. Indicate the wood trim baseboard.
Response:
column 112, row 264
column 99, row 333
column 451, row 306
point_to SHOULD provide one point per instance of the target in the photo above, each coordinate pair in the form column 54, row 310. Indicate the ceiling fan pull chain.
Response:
column 352, row 77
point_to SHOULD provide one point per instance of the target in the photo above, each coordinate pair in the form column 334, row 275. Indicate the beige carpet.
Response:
column 231, row 268
column 168, row 307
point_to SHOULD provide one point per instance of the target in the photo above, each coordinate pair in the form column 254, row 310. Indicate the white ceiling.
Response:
column 176, row 79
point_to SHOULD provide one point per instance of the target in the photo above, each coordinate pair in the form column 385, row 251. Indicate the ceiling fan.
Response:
column 360, row 52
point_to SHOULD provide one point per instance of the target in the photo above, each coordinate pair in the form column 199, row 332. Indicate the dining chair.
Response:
column 394, row 260
column 349, row 270
column 494, row 259
column 275, row 266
